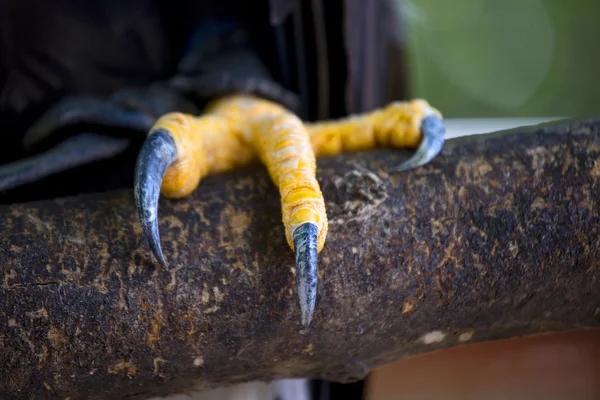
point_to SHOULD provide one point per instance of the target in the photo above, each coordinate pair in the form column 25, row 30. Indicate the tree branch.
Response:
column 498, row 237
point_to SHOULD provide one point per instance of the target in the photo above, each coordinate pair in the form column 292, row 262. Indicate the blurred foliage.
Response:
column 503, row 58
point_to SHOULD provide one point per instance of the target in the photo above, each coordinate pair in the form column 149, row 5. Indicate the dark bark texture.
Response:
column 497, row 237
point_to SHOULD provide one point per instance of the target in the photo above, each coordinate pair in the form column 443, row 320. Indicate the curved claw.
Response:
column 85, row 110
column 305, row 248
column 75, row 151
column 434, row 131
column 156, row 155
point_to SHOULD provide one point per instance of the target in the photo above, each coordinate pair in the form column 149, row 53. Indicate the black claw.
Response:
column 156, row 155
column 77, row 150
column 305, row 245
column 84, row 110
column 434, row 131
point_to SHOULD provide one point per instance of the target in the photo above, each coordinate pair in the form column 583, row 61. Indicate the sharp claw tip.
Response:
column 161, row 259
column 305, row 245
column 153, row 241
column 434, row 131
column 157, row 153
column 405, row 166
column 307, row 318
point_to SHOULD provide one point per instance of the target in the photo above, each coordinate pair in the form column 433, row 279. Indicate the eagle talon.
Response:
column 86, row 123
column 156, row 155
column 76, row 150
column 236, row 130
column 87, row 111
column 305, row 249
column 433, row 131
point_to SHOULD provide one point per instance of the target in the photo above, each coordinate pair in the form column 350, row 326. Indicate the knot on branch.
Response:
column 356, row 193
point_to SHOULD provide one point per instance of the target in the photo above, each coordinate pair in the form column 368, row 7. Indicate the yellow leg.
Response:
column 239, row 130
column 398, row 125
column 281, row 142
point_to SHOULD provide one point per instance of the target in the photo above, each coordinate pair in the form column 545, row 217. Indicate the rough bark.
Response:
column 498, row 237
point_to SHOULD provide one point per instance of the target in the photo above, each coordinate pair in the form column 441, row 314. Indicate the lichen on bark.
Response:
column 497, row 237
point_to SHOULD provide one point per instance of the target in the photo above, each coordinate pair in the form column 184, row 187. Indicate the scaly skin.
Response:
column 397, row 126
column 240, row 130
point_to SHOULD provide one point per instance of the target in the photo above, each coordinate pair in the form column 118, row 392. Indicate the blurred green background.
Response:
column 504, row 58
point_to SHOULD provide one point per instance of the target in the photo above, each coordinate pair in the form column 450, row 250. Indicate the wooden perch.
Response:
column 498, row 237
